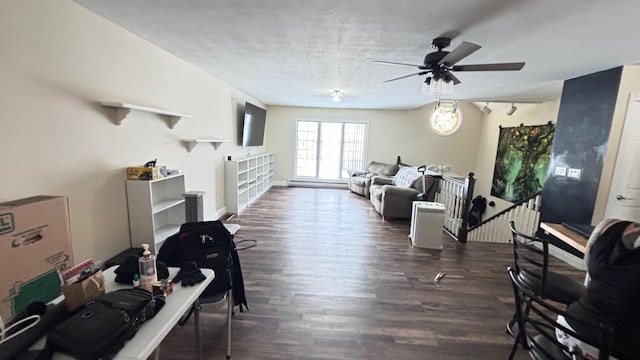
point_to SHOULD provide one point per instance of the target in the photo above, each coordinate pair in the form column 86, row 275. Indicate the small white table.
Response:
column 153, row 331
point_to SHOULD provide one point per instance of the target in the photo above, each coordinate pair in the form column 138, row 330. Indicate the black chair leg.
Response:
column 520, row 335
column 510, row 324
column 514, row 348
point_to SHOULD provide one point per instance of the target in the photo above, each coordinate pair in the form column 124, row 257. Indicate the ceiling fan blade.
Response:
column 455, row 80
column 490, row 67
column 406, row 76
column 395, row 63
column 462, row 51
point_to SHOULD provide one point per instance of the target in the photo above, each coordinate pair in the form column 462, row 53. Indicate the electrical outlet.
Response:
column 560, row 171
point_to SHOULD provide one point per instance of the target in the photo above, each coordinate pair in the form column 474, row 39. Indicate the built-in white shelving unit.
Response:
column 191, row 143
column 122, row 110
column 246, row 179
column 156, row 210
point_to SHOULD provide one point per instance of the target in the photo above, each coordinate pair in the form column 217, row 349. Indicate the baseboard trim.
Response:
column 218, row 214
column 316, row 184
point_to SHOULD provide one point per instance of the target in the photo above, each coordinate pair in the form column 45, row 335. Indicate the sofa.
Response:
column 394, row 197
column 360, row 180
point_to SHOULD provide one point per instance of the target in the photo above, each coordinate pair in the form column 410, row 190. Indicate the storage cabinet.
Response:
column 246, row 179
column 156, row 210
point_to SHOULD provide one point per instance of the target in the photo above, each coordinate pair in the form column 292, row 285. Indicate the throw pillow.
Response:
column 406, row 177
column 379, row 168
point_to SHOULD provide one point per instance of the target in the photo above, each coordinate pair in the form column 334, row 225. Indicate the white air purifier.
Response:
column 427, row 221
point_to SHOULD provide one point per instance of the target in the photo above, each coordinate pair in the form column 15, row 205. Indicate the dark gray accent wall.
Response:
column 582, row 131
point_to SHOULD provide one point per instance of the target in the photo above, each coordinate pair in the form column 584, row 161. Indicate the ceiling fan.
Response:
column 440, row 64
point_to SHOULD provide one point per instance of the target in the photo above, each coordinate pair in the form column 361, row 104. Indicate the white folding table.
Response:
column 153, row 331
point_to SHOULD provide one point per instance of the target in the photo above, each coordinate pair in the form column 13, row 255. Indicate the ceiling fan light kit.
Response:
column 440, row 66
column 438, row 87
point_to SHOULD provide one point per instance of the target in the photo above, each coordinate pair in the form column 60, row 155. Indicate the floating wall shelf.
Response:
column 122, row 110
column 191, row 143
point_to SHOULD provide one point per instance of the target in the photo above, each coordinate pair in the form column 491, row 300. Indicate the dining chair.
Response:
column 211, row 300
column 538, row 321
column 531, row 266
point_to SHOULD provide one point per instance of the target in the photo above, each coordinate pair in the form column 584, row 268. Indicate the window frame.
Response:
column 321, row 120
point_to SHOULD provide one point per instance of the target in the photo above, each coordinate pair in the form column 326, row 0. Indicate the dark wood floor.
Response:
column 329, row 279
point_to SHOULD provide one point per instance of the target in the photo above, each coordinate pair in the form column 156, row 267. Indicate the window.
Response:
column 327, row 150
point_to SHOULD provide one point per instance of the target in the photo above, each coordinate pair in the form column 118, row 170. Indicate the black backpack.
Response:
column 211, row 246
column 479, row 204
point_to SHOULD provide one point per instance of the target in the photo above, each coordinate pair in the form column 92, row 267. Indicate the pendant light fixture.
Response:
column 446, row 118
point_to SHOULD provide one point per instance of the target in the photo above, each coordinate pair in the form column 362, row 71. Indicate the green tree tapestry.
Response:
column 522, row 161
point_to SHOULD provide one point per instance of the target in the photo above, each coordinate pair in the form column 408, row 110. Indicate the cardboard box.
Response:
column 35, row 242
column 144, row 173
column 83, row 291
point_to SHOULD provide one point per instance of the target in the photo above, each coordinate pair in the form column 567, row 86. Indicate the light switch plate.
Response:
column 574, row 173
column 560, row 171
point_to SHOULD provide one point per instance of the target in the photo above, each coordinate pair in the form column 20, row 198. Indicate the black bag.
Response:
column 479, row 204
column 100, row 328
column 17, row 348
column 210, row 245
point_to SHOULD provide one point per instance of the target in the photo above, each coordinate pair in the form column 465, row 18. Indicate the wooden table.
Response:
column 566, row 235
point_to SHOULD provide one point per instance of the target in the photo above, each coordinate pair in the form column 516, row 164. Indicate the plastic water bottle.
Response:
column 147, row 267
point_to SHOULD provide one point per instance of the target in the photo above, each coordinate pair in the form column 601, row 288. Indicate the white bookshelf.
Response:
column 156, row 210
column 246, row 179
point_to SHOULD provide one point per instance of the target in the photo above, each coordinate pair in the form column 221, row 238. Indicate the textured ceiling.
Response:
column 294, row 52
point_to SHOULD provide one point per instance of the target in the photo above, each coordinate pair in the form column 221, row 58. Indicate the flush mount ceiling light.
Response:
column 336, row 96
column 446, row 118
column 512, row 109
column 485, row 109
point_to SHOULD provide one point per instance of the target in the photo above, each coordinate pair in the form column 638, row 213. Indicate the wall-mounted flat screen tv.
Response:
column 253, row 124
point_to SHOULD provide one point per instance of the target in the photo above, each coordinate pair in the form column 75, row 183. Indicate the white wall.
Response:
column 527, row 114
column 629, row 83
column 391, row 133
column 57, row 61
column 537, row 114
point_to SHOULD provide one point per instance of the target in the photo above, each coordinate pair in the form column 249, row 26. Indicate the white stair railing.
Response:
column 456, row 194
column 526, row 216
